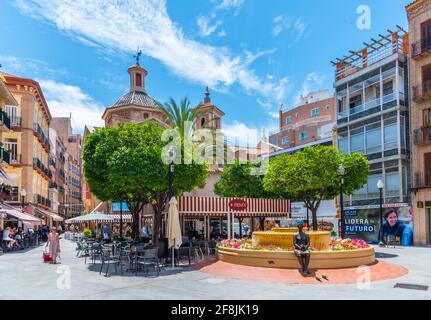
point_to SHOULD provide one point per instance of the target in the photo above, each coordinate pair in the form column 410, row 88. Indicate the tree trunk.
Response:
column 314, row 214
column 136, row 234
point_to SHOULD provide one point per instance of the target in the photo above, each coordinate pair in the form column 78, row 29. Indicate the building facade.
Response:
column 419, row 17
column 372, row 118
column 310, row 121
column 28, row 144
column 70, row 167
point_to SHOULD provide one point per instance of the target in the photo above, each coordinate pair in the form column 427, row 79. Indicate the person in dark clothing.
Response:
column 302, row 242
column 392, row 226
column 43, row 232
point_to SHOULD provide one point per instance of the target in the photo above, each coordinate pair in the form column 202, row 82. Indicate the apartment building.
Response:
column 372, row 118
column 419, row 17
column 6, row 98
column 28, row 142
column 309, row 122
column 72, row 205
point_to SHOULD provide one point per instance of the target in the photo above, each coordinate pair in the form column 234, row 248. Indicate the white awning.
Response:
column 49, row 214
column 24, row 217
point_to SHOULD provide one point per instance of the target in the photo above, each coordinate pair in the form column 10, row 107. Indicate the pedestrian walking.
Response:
column 53, row 245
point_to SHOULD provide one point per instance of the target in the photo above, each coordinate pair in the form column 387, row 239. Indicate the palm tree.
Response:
column 179, row 115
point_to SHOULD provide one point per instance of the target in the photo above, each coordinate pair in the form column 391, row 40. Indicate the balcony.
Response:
column 422, row 136
column 4, row 156
column 42, row 200
column 9, row 194
column 422, row 180
column 41, row 168
column 422, row 92
column 4, row 120
column 15, row 122
column 15, row 159
column 421, row 49
column 42, row 137
column 53, row 185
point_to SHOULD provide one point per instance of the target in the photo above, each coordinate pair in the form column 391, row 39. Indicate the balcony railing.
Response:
column 4, row 155
column 42, row 200
column 37, row 164
column 422, row 179
column 4, row 118
column 15, row 121
column 9, row 194
column 15, row 159
column 369, row 104
column 422, row 136
column 42, row 135
column 421, row 47
column 53, row 185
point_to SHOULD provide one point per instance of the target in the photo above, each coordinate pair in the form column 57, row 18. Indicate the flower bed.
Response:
column 336, row 244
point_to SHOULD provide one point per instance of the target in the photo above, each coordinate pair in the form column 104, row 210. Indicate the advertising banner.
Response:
column 364, row 223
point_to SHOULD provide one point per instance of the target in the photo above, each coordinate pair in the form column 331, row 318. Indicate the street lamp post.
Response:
column 380, row 185
column 23, row 194
column 170, row 182
column 341, row 172
column 121, row 219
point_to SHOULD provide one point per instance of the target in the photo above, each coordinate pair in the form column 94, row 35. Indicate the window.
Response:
column 202, row 122
column 12, row 146
column 392, row 184
column 12, row 113
column 343, row 145
column 388, row 88
column 285, row 140
column 139, row 80
column 355, row 101
column 146, row 115
column 427, row 167
column 315, row 112
column 390, row 136
column 297, row 115
column 426, row 35
column 327, row 107
column 289, row 120
column 357, row 142
column 303, row 136
column 373, row 139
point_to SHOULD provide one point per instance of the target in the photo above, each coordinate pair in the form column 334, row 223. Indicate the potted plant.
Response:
column 87, row 233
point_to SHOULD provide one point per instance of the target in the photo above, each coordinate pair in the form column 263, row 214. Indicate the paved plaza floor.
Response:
column 26, row 277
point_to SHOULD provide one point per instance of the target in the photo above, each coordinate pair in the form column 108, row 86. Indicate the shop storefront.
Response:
column 228, row 214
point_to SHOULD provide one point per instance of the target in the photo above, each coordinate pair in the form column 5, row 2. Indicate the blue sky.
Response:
column 253, row 54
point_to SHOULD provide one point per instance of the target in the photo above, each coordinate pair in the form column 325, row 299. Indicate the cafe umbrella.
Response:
column 174, row 228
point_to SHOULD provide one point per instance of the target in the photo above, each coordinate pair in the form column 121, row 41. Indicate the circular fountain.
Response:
column 278, row 251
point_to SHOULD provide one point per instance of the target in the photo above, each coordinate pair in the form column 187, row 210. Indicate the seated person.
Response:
column 7, row 238
column 302, row 242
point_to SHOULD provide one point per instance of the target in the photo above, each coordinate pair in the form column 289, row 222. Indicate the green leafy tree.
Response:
column 237, row 181
column 125, row 164
column 311, row 175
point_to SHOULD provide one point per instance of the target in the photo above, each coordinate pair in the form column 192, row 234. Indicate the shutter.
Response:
column 427, row 167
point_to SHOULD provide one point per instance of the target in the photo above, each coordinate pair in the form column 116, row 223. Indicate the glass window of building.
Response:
column 373, row 138
column 285, row 140
column 303, row 136
column 392, row 184
column 289, row 120
column 357, row 141
column 12, row 146
column 315, row 112
column 388, row 87
column 390, row 134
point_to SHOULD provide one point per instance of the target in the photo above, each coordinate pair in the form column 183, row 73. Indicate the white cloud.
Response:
column 274, row 115
column 29, row 68
column 221, row 34
column 265, row 104
column 124, row 25
column 204, row 28
column 285, row 23
column 64, row 100
column 251, row 57
column 231, row 4
column 312, row 82
column 238, row 133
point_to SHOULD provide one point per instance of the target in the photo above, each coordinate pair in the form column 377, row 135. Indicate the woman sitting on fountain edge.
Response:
column 302, row 242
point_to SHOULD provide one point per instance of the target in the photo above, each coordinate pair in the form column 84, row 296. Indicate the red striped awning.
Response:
column 213, row 206
column 127, row 217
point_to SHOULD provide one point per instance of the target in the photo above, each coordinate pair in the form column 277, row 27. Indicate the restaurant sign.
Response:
column 237, row 205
